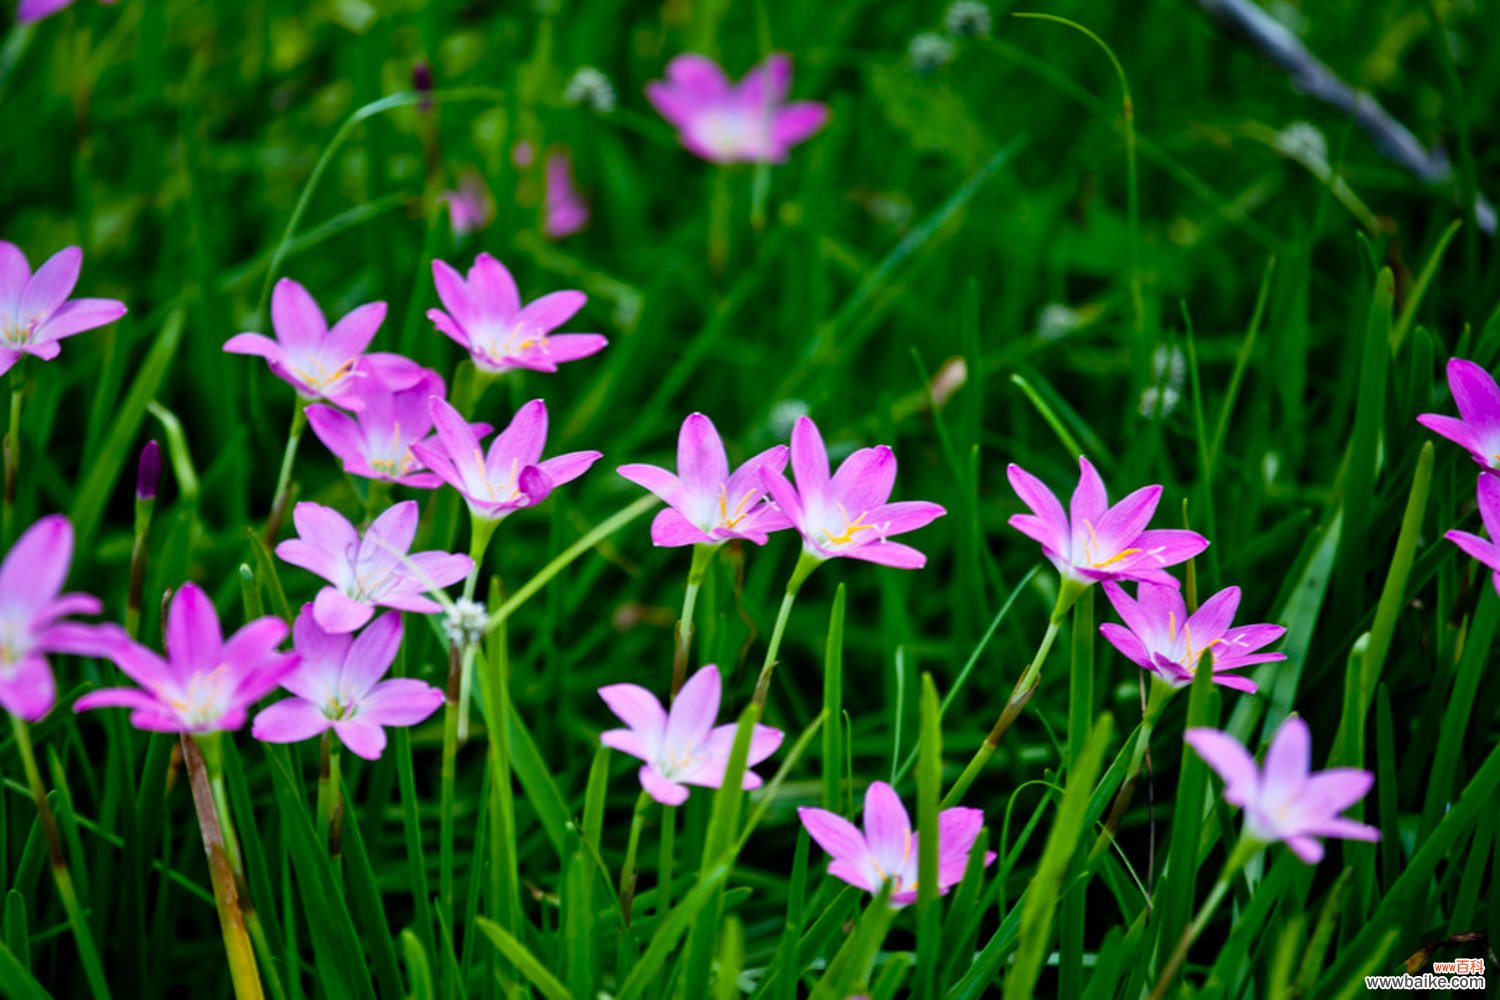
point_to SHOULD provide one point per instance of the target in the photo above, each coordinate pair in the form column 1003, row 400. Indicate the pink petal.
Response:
column 1161, row 547
column 50, row 286
column 1287, row 760
column 133, row 698
column 290, row 720
column 363, row 737
column 796, row 123
column 550, row 312
column 1227, row 756
column 339, row 434
column 887, row 827
column 626, row 741
column 454, row 294
column 1126, row 642
column 29, row 691
column 325, row 527
column 394, row 530
column 15, row 272
column 747, row 478
column 638, row 709
column 1235, row 682
column 903, row 516
column 351, row 335
column 1454, row 430
column 668, row 793
column 1090, row 502
column 296, row 318
column 492, row 289
column 698, row 74
column 887, row 554
column 809, row 464
column 436, row 570
column 836, row 835
column 669, row 529
column 36, row 566
column 565, row 468
column 254, row 344
column 1488, row 496
column 768, row 83
column 194, row 640
column 402, row 701
column 35, row 10
column 1213, row 617
column 77, row 316
column 564, row 347
column 785, row 496
column 523, row 439
column 1051, row 524
column 1306, row 848
column 693, row 713
column 657, row 480
column 337, row 613
column 313, row 558
column 864, row 480
column 957, row 830
column 371, row 655
column 1474, row 391
column 702, row 465
column 1123, row 523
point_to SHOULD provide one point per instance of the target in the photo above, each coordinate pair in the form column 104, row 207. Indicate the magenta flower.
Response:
column 1159, row 635
column 847, row 514
column 470, row 208
column 35, row 10
column 709, row 504
column 318, row 362
column 1477, row 426
column 35, row 312
column 1284, row 801
column 681, row 747
column 206, row 683
column 337, row 685
column 1484, row 549
column 371, row 571
column 513, row 475
column 888, row 849
column 32, row 609
column 1095, row 541
column 376, row 441
column 485, row 316
column 724, row 122
column 567, row 212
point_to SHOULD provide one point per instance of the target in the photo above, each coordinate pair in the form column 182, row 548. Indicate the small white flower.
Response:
column 928, row 52
column 1301, row 141
column 967, row 19
column 1056, row 319
column 466, row 622
column 591, row 89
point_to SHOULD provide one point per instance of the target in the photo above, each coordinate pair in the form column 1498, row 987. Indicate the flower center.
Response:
column 323, row 378
column 852, row 529
column 1091, row 544
column 15, row 334
column 727, row 518
column 397, row 459
column 1189, row 658
column 203, row 700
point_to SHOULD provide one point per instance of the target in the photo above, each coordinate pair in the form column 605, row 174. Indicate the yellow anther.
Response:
column 851, row 528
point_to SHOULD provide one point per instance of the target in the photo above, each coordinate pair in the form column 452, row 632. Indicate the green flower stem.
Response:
column 481, row 530
column 702, row 556
column 242, row 969
column 806, row 563
column 12, row 458
column 377, row 497
column 1067, row 594
column 720, row 201
column 330, row 800
column 87, row 953
column 1246, row 849
column 504, row 877
column 284, row 479
column 446, row 774
column 664, row 858
column 1161, row 693
column 627, row 870
column 135, row 595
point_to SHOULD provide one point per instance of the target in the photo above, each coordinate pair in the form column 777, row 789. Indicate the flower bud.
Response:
column 148, row 473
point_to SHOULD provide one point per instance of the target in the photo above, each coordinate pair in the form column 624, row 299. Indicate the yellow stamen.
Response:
column 1093, row 543
column 851, row 528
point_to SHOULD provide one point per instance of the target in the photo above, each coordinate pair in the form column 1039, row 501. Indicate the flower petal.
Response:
column 887, row 827
column 290, row 720
column 702, row 465
column 52, row 283
column 640, row 710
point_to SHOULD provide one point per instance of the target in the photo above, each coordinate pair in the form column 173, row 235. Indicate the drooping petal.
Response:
column 290, row 720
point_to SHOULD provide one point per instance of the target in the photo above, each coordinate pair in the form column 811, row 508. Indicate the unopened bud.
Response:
column 148, row 473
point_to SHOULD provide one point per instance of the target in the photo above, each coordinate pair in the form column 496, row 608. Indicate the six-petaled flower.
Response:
column 725, row 122
column 1477, row 427
column 35, row 311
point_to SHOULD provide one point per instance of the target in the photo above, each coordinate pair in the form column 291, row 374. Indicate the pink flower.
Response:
column 1477, row 427
column 337, row 685
column 1161, row 637
column 1284, row 801
column 318, row 362
column 847, row 515
column 1095, row 541
column 1484, row 549
column 485, row 316
column 567, row 212
column 35, row 10
column 709, row 505
column 35, row 312
column 681, row 747
column 470, row 208
column 371, row 571
column 376, row 441
column 32, row 609
column 888, row 849
column 513, row 475
column 723, row 122
column 206, row 683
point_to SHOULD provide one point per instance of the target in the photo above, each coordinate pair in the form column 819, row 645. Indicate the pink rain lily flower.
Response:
column 682, row 746
column 1486, row 550
column 847, row 514
column 567, row 212
column 35, row 10
column 376, row 441
column 1477, row 426
column 709, row 504
column 35, row 311
column 513, row 474
column 32, row 609
column 337, row 685
column 888, row 849
column 470, row 208
column 724, row 122
column 207, row 683
column 1283, row 801
column 485, row 316
column 1095, row 541
column 321, row 363
column 1159, row 635
column 365, row 572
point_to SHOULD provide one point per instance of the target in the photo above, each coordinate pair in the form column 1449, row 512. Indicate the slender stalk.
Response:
column 481, row 530
column 1067, row 594
column 806, row 563
column 135, row 595
column 702, row 556
column 242, row 970
column 12, row 458
column 87, row 954
column 664, row 858
column 284, row 479
column 504, row 877
column 1243, row 852
column 446, row 775
column 331, row 800
column 628, row 870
